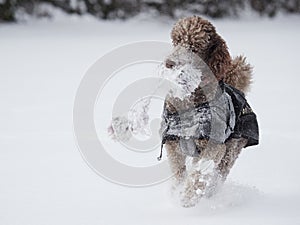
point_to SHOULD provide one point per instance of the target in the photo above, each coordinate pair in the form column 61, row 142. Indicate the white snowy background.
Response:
column 43, row 178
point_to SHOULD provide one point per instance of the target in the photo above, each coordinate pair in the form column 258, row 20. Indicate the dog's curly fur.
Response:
column 199, row 36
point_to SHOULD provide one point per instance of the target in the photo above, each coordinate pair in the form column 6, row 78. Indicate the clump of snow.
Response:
column 185, row 72
column 136, row 122
column 119, row 129
column 185, row 79
column 139, row 117
column 205, row 166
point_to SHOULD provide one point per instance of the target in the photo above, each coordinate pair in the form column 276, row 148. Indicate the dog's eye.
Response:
column 170, row 64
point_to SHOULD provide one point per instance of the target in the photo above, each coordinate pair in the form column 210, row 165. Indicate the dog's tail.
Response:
column 239, row 74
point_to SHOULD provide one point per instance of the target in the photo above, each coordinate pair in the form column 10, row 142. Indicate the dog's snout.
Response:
column 170, row 64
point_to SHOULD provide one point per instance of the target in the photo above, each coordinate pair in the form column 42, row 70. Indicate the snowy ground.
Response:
column 44, row 180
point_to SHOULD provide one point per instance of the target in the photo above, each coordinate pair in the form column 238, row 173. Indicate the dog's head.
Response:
column 188, row 73
column 198, row 61
column 199, row 36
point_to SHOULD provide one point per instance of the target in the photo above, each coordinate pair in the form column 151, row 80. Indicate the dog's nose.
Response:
column 170, row 64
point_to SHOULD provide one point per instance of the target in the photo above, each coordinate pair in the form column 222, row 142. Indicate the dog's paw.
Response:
column 200, row 183
column 190, row 198
column 193, row 190
column 188, row 204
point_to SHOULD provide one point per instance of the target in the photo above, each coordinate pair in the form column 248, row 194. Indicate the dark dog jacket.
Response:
column 228, row 115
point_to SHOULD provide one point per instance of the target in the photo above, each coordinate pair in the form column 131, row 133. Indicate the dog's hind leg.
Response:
column 234, row 147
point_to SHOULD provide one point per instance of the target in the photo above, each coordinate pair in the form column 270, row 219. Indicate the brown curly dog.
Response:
column 196, row 37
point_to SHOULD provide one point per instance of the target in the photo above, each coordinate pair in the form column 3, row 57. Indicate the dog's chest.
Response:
column 214, row 120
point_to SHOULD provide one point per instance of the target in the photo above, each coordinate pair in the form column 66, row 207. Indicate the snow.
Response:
column 205, row 166
column 185, row 73
column 44, row 179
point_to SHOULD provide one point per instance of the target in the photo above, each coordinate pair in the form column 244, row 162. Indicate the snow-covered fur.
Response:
column 195, row 37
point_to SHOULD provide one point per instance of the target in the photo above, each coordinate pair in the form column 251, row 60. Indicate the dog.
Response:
column 203, row 69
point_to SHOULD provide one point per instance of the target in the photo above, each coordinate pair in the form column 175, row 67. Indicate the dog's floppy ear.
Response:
column 218, row 57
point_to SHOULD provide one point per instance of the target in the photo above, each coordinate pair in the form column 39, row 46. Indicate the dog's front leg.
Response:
column 176, row 161
column 203, row 178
